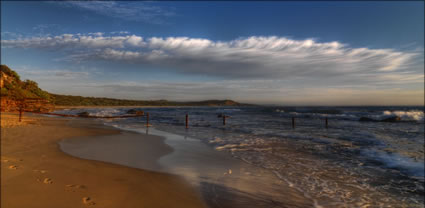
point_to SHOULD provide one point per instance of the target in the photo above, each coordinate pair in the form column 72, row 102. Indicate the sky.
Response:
column 276, row 52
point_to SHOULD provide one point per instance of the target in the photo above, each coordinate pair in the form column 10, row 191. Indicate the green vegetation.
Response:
column 9, row 72
column 14, row 88
column 69, row 100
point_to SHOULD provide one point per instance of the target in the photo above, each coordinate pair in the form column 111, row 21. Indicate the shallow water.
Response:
column 348, row 164
column 222, row 180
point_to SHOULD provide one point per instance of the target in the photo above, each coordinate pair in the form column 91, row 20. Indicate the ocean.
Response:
column 348, row 163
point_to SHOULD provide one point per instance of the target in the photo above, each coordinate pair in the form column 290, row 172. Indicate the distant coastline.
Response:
column 14, row 92
column 70, row 100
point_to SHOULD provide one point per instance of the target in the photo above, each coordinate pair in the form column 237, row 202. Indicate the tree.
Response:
column 5, row 69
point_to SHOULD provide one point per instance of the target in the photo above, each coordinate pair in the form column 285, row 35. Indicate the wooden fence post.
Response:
column 147, row 119
column 21, row 109
column 224, row 120
column 326, row 122
column 187, row 121
column 20, row 113
column 293, row 122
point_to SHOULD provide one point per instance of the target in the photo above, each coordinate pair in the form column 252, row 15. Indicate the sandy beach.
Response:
column 108, row 167
column 63, row 107
column 35, row 173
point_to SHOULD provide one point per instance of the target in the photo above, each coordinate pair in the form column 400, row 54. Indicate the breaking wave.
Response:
column 406, row 115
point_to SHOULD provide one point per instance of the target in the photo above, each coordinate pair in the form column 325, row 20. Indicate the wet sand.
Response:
column 36, row 173
column 222, row 180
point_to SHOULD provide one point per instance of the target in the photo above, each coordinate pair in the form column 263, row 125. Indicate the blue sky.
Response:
column 289, row 53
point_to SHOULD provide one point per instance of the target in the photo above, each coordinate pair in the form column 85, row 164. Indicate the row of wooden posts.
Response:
column 224, row 121
column 187, row 119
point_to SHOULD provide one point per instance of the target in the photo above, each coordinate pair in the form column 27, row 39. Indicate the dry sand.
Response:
column 61, row 107
column 35, row 173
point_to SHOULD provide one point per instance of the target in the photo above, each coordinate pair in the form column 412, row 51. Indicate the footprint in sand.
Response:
column 8, row 159
column 74, row 187
column 88, row 201
column 13, row 167
column 40, row 171
column 47, row 181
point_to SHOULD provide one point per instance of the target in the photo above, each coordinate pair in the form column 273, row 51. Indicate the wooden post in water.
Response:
column 147, row 119
column 21, row 109
column 224, row 120
column 20, row 113
column 187, row 121
column 293, row 122
column 326, row 122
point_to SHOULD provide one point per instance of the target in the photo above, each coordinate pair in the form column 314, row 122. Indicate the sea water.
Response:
column 348, row 164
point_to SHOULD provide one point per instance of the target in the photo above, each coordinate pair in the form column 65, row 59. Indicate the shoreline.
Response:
column 223, row 181
column 36, row 173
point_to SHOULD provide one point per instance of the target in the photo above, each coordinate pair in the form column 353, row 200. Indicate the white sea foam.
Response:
column 94, row 111
column 106, row 112
column 406, row 115
column 231, row 146
column 216, row 140
column 394, row 160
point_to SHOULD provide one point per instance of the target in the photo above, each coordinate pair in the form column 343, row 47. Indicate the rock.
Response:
column 83, row 114
column 392, row 119
column 131, row 111
column 366, row 119
column 137, row 112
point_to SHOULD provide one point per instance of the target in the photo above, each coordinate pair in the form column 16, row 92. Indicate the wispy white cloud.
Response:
column 245, row 58
column 78, row 41
column 127, row 10
column 120, row 32
column 53, row 74
column 10, row 35
column 43, row 29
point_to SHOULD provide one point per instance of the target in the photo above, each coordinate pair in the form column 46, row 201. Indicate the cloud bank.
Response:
column 248, row 58
column 260, row 92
